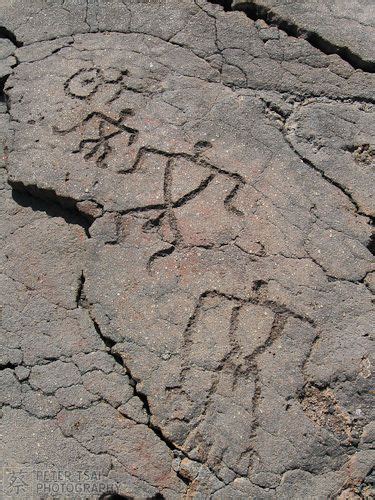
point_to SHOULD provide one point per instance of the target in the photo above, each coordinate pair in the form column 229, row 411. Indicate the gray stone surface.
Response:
column 186, row 207
column 343, row 26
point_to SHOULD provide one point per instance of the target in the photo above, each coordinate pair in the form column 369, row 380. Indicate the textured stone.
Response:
column 187, row 274
column 341, row 26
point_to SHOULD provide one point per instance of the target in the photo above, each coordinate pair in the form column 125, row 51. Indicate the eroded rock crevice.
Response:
column 257, row 11
column 47, row 201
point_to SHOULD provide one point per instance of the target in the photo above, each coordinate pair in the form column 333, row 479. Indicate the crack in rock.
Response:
column 256, row 11
column 47, row 201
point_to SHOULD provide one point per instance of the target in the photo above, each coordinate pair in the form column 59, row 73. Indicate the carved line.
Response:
column 250, row 364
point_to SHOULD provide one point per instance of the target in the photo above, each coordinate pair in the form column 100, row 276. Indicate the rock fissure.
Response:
column 119, row 359
column 48, row 201
column 256, row 11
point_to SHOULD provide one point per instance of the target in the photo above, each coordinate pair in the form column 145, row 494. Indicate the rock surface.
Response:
column 187, row 269
column 346, row 27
